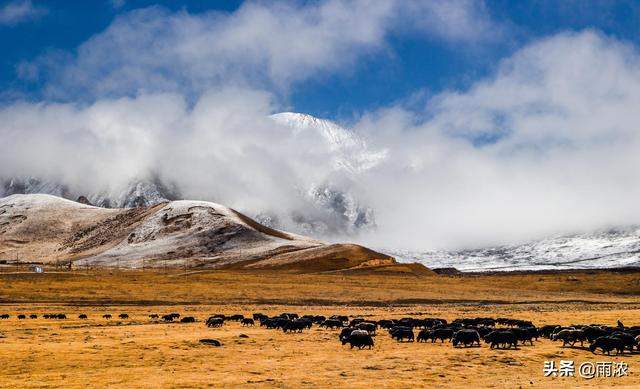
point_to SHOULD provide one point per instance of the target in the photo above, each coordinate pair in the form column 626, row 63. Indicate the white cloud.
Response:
column 220, row 149
column 563, row 153
column 268, row 45
column 19, row 11
column 117, row 4
column 456, row 21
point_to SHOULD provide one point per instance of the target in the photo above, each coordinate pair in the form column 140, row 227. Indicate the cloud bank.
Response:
column 548, row 143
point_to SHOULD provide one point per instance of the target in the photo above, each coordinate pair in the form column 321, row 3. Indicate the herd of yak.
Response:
column 465, row 332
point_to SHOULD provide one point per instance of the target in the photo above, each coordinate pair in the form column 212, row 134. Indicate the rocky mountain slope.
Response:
column 48, row 229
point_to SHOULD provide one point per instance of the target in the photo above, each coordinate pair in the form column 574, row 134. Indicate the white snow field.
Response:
column 613, row 248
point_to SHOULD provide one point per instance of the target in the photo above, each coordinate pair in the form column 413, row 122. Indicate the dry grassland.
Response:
column 139, row 352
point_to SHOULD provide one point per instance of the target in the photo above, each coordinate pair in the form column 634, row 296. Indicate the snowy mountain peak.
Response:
column 337, row 136
column 352, row 153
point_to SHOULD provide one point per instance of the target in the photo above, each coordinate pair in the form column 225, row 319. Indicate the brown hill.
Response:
column 48, row 229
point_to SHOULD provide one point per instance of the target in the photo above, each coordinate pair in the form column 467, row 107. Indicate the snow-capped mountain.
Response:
column 138, row 193
column 337, row 136
column 601, row 249
column 334, row 210
column 329, row 209
column 47, row 229
column 351, row 152
column 31, row 185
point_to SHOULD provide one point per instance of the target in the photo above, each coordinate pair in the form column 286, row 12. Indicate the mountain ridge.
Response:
column 42, row 228
column 600, row 249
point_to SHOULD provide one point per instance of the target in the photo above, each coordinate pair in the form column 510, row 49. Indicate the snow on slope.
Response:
column 333, row 209
column 39, row 201
column 338, row 137
column 29, row 185
column 32, row 226
column 47, row 229
column 196, row 229
column 351, row 151
column 602, row 249
column 138, row 193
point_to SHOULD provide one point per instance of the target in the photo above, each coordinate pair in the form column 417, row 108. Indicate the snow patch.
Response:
column 40, row 200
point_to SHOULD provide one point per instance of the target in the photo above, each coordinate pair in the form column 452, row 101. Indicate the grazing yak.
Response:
column 466, row 338
column 274, row 322
column 406, row 322
column 607, row 344
column 570, row 337
column 123, row 316
column 441, row 333
column 170, row 317
column 345, row 332
column 154, row 316
column 342, row 318
column 367, row 326
column 82, row 316
column 260, row 316
column 592, row 333
column 386, row 324
column 318, row 319
column 33, row 316
column 332, row 324
column 359, row 339
column 502, row 339
column 423, row 335
column 547, row 330
column 5, row 316
column 525, row 334
column 296, row 325
column 235, row 317
column 188, row 319
column 214, row 322
column 21, row 317
column 246, row 322
column 400, row 333
column 628, row 340
column 211, row 342
column 106, row 316
column 356, row 321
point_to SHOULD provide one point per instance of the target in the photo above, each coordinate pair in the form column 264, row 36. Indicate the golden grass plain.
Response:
column 139, row 352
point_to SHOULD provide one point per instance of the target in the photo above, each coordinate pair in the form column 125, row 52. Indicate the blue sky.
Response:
column 476, row 122
column 408, row 65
